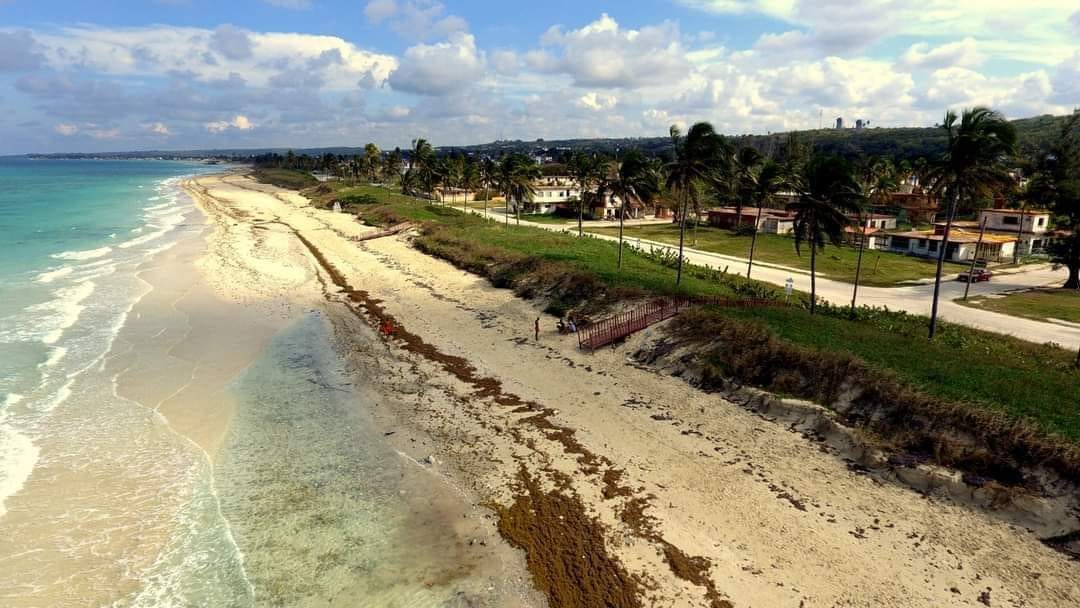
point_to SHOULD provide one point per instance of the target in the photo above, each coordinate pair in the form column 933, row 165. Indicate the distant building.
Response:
column 860, row 123
column 551, row 193
column 961, row 248
column 839, row 122
column 1033, row 236
column 773, row 221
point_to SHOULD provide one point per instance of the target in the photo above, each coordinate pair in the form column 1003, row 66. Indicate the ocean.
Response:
column 126, row 479
column 72, row 233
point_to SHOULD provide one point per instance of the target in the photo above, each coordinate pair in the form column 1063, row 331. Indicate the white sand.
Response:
column 720, row 478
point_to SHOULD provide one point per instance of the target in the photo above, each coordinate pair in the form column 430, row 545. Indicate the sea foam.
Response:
column 86, row 254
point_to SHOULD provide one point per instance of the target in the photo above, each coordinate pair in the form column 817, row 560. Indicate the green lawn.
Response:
column 880, row 268
column 1004, row 374
column 286, row 178
column 1040, row 304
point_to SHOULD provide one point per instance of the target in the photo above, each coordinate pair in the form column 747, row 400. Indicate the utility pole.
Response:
column 975, row 258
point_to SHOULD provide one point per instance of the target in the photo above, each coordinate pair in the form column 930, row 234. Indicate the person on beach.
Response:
column 537, row 329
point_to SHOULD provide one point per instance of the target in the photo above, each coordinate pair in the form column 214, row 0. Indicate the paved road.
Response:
column 914, row 298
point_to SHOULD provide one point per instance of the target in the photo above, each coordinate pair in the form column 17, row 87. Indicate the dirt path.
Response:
column 697, row 502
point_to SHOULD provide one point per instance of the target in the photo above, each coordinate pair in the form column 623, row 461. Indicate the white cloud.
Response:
column 377, row 11
column 239, row 122
column 602, row 54
column 438, row 69
column 158, row 128
column 213, row 55
column 962, row 53
column 415, row 20
column 597, row 101
column 65, row 129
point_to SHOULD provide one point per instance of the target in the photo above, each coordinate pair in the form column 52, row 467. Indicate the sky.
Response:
column 116, row 75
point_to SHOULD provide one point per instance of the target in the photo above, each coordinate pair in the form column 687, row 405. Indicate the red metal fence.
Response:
column 611, row 329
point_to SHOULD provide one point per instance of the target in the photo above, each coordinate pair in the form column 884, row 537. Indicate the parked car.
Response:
column 980, row 275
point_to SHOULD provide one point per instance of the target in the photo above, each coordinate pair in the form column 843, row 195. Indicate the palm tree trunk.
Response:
column 954, row 203
column 506, row 210
column 975, row 259
column 580, row 212
column 858, row 264
column 622, row 216
column 753, row 239
column 682, row 239
column 813, row 275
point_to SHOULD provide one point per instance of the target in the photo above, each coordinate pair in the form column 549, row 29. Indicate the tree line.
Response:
column 702, row 168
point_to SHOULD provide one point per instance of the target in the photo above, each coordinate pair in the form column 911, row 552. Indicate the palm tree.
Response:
column 586, row 170
column 826, row 193
column 744, row 166
column 973, row 164
column 422, row 165
column 516, row 175
column 392, row 167
column 767, row 180
column 1056, row 184
column 372, row 159
column 471, row 180
column 877, row 182
column 635, row 179
column 489, row 178
column 696, row 155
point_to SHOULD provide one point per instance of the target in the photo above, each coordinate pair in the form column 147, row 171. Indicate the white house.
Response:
column 1033, row 236
column 551, row 193
column 962, row 243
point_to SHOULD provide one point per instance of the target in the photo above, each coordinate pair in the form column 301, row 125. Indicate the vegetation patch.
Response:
column 897, row 391
column 285, row 178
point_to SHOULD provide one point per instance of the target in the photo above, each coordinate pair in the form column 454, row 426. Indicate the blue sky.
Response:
column 176, row 74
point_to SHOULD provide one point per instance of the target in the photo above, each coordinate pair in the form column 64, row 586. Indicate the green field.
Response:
column 998, row 374
column 1039, row 304
column 881, row 269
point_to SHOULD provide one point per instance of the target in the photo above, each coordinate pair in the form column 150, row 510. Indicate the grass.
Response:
column 989, row 376
column 286, row 178
column 1002, row 374
column 1038, row 304
column 546, row 218
column 880, row 268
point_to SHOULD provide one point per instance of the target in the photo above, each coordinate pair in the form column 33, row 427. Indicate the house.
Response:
column 874, row 220
column 961, row 248
column 773, row 221
column 551, row 193
column 1031, row 227
column 920, row 207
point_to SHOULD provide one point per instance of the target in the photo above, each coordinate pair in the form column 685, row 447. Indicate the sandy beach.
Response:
column 618, row 485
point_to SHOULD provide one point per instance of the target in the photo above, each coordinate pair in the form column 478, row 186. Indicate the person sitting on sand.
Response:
column 561, row 326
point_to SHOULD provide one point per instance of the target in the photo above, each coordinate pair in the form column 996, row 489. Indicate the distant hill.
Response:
column 899, row 143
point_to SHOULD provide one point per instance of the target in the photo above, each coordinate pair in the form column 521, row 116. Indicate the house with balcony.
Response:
column 1030, row 227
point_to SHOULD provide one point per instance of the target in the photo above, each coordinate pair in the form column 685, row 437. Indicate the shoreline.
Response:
column 658, row 469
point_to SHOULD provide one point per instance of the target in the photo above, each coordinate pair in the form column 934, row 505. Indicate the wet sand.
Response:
column 698, row 502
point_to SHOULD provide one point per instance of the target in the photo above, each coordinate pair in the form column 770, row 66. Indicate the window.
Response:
column 934, row 246
column 1010, row 220
column 1042, row 221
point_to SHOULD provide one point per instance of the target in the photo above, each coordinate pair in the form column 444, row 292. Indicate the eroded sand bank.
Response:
column 697, row 502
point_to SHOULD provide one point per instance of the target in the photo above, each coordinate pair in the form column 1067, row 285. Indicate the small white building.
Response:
column 961, row 248
column 875, row 220
column 1033, row 236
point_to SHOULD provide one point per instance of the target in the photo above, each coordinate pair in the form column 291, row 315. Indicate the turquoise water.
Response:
column 304, row 502
column 72, row 233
